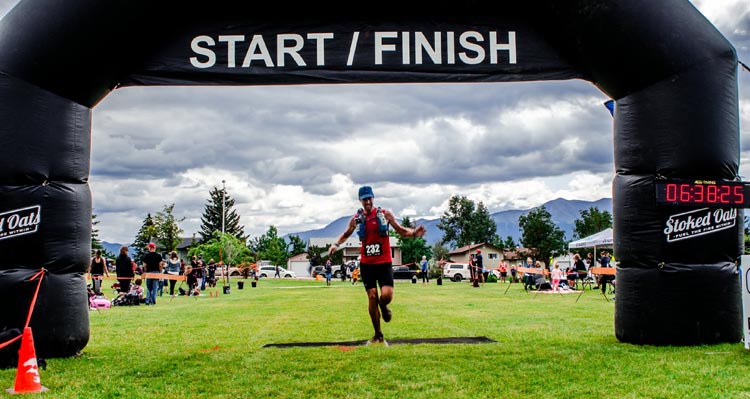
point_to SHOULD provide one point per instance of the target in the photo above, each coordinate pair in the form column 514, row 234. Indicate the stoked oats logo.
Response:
column 20, row 221
column 699, row 222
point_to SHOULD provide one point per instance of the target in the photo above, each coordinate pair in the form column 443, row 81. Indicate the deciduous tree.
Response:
column 541, row 233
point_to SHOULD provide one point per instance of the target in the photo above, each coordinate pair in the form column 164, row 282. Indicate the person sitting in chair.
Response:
column 136, row 292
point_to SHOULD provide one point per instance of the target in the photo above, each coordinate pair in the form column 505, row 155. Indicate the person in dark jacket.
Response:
column 124, row 269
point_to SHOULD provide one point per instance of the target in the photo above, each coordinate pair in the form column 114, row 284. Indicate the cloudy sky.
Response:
column 294, row 156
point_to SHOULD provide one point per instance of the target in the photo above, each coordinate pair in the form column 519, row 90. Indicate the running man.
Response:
column 376, row 262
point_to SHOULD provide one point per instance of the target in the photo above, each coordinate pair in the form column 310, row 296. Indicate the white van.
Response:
column 456, row 271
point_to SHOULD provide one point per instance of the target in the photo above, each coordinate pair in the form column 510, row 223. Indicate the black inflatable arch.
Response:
column 672, row 74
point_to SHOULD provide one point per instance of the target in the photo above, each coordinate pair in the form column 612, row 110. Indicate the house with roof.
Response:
column 491, row 254
column 517, row 256
column 351, row 248
column 184, row 246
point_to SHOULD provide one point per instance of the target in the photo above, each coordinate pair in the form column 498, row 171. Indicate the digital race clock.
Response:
column 712, row 193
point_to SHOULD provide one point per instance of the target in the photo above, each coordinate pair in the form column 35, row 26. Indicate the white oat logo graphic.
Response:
column 20, row 221
column 699, row 222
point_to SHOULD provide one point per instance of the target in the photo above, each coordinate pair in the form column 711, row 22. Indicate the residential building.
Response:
column 491, row 255
column 351, row 248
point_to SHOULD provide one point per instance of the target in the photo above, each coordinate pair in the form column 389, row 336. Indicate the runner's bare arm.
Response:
column 418, row 231
column 344, row 236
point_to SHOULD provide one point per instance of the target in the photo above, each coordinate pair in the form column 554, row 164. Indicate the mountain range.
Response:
column 563, row 212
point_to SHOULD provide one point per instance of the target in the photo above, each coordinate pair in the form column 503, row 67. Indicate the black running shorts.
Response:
column 377, row 274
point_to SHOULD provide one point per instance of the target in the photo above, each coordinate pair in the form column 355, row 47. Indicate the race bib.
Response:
column 372, row 250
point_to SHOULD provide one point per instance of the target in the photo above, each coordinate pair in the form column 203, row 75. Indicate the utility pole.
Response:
column 223, row 202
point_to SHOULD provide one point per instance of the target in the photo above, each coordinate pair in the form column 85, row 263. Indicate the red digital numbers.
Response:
column 711, row 194
column 704, row 193
column 739, row 195
column 707, row 194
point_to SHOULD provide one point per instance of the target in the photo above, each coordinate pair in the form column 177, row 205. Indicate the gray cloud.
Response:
column 293, row 156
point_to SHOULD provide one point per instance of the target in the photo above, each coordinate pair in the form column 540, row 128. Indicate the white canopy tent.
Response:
column 600, row 239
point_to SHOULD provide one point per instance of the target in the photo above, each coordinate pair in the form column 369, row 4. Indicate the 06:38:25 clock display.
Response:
column 734, row 194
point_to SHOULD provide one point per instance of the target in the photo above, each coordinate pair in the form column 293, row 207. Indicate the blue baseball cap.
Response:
column 365, row 192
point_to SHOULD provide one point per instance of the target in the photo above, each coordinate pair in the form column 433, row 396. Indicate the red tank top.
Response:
column 375, row 248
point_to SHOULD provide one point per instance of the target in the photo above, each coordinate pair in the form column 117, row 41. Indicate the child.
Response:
column 355, row 276
column 556, row 277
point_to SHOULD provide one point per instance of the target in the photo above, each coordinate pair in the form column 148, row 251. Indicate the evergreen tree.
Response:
column 211, row 220
column 541, row 233
column 146, row 234
column 508, row 243
column 95, row 242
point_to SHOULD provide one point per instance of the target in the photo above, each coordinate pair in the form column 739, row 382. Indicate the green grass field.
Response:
column 547, row 346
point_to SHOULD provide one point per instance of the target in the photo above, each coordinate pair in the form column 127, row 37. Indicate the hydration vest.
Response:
column 379, row 216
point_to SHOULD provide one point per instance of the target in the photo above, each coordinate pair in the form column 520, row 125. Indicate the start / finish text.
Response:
column 383, row 48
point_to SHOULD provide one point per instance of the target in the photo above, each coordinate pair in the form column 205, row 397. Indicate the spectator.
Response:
column 528, row 277
column 503, row 270
column 604, row 261
column 203, row 272
column 173, row 269
column 556, row 276
column 424, row 267
column 125, row 269
column 97, row 270
column 211, row 273
column 152, row 263
column 355, row 275
column 329, row 271
column 479, row 261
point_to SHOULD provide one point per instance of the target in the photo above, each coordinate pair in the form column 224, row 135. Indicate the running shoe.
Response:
column 377, row 339
column 385, row 311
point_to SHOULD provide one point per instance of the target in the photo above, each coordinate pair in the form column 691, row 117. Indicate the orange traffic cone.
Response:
column 27, row 374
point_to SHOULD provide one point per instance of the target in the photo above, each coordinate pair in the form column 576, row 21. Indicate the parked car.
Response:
column 456, row 271
column 270, row 271
column 233, row 271
column 348, row 269
column 404, row 272
column 318, row 270
column 335, row 270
